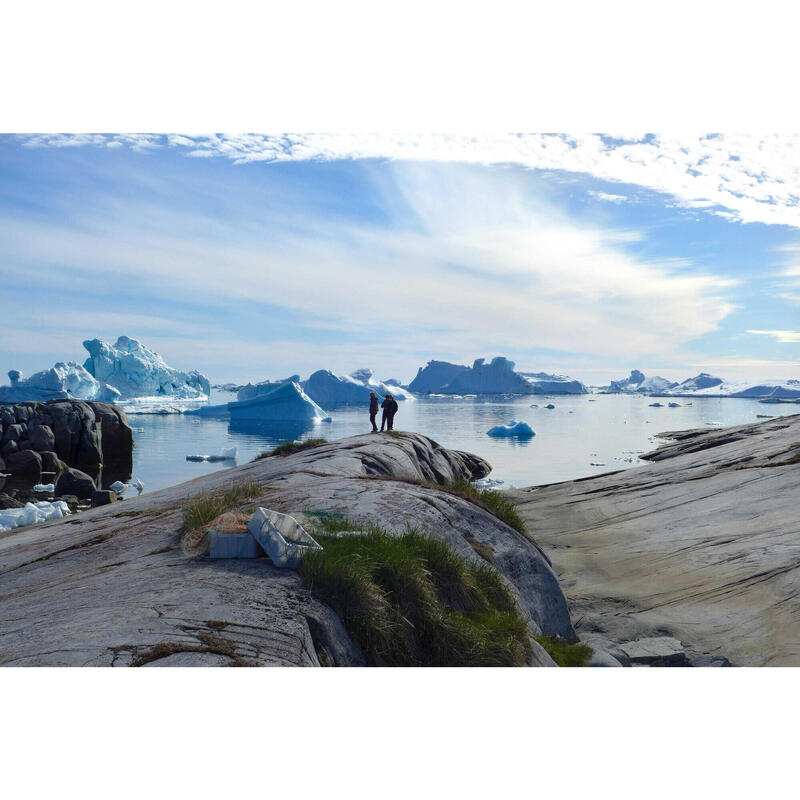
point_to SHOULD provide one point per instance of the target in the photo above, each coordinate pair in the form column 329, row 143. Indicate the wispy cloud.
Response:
column 741, row 177
column 785, row 337
column 468, row 262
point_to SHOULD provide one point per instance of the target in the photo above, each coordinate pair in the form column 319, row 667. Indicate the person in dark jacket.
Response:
column 373, row 410
column 389, row 406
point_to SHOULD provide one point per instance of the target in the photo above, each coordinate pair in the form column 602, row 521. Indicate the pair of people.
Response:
column 389, row 406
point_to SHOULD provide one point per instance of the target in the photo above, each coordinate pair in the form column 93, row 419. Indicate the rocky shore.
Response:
column 113, row 586
column 80, row 446
column 695, row 556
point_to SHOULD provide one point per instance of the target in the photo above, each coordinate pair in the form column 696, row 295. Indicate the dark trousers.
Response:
column 372, row 419
column 388, row 420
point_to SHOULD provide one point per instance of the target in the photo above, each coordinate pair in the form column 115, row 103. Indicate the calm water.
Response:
column 582, row 435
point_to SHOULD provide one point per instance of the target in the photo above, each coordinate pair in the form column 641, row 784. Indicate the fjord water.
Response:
column 583, row 435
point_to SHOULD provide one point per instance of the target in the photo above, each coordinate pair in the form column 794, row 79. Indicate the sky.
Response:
column 251, row 256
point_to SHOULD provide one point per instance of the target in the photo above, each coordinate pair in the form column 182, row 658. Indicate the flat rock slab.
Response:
column 702, row 545
column 660, row 651
column 112, row 587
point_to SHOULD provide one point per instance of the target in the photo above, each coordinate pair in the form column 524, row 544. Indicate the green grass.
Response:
column 289, row 448
column 493, row 501
column 566, row 655
column 411, row 600
column 207, row 506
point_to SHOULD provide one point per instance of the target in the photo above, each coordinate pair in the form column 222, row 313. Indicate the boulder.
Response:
column 77, row 436
column 102, row 497
column 710, row 661
column 71, row 500
column 602, row 659
column 41, row 437
column 25, row 465
column 73, row 481
column 7, row 448
column 22, row 412
column 52, row 465
column 656, row 651
column 7, row 416
column 13, row 433
column 116, row 435
column 9, row 502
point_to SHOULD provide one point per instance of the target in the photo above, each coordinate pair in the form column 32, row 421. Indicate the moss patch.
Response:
column 411, row 600
column 566, row 655
column 290, row 448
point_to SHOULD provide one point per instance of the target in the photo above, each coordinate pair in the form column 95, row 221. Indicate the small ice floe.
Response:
column 595, row 464
column 592, row 401
column 138, row 485
column 656, row 405
column 43, row 488
column 31, row 514
column 674, row 405
column 513, row 429
column 765, row 416
column 225, row 454
column 534, row 405
column 487, row 483
column 119, row 487
column 549, row 405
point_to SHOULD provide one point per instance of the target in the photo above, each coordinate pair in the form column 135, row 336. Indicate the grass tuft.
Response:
column 566, row 655
column 490, row 499
column 289, row 448
column 207, row 506
column 411, row 600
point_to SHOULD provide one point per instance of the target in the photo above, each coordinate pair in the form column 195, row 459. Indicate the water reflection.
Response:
column 271, row 430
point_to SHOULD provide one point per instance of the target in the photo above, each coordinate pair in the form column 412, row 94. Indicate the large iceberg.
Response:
column 287, row 403
column 328, row 389
column 435, row 376
column 543, row 383
column 392, row 386
column 252, row 390
column 62, row 381
column 496, row 377
column 136, row 371
column 698, row 383
column 637, row 382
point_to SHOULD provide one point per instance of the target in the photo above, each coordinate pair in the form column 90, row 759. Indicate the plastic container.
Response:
column 233, row 545
column 283, row 538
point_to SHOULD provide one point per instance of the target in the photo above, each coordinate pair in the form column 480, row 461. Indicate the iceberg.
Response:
column 381, row 388
column 496, row 377
column 435, row 376
column 252, row 390
column 62, row 381
column 637, row 382
column 287, row 403
column 698, row 383
column 512, row 429
column 543, row 383
column 137, row 371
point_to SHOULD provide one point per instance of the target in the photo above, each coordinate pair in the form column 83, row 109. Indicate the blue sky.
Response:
column 251, row 256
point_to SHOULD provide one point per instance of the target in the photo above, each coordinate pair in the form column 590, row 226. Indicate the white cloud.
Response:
column 741, row 177
column 785, row 337
column 471, row 265
column 609, row 198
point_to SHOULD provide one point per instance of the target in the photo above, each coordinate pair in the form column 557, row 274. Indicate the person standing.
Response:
column 373, row 410
column 389, row 406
